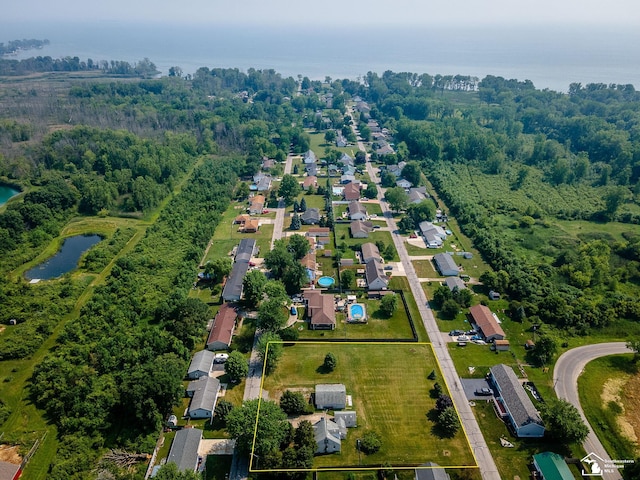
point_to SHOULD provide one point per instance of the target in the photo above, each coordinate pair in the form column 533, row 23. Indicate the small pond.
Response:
column 6, row 193
column 65, row 260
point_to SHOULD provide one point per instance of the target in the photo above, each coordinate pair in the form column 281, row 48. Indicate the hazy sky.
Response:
column 330, row 12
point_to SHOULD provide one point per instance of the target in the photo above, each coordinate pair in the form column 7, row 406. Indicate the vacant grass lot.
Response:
column 391, row 395
column 343, row 237
column 378, row 326
column 424, row 269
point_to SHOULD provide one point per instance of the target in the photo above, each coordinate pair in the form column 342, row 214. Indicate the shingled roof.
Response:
column 514, row 397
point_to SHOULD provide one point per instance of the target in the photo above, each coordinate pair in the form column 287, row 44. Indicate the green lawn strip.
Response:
column 603, row 375
column 217, row 467
column 401, row 283
column 424, row 269
column 343, row 236
column 387, row 395
column 413, row 251
column 312, row 201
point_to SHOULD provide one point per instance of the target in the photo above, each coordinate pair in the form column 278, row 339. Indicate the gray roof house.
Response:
column 310, row 216
column 346, row 159
column 309, row 157
column 370, row 253
column 311, row 169
column 357, row 211
column 417, row 195
column 403, row 183
column 446, row 265
column 375, row 276
column 360, row 229
column 205, row 396
column 344, row 179
column 232, row 291
column 327, row 435
column 454, row 282
column 184, row 449
column 520, row 411
column 431, row 471
column 200, row 364
column 434, row 235
column 347, row 416
column 246, row 249
column 331, row 396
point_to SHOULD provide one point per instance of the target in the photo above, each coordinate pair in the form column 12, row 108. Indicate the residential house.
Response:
column 327, row 436
column 552, row 466
column 434, row 235
column 261, row 182
column 363, row 107
column 309, row 181
column 310, row 216
column 204, row 397
column 332, row 170
column 374, row 126
column 403, row 183
column 246, row 249
column 319, row 232
column 375, row 277
column 309, row 263
column 486, row 323
column 223, row 327
column 396, row 169
column 416, row 196
column 251, row 226
column 341, row 141
column 309, row 157
column 320, row 310
column 357, row 211
column 431, row 471
column 370, row 253
column 346, row 160
column 330, row 396
column 351, row 192
column 360, row 229
column 184, row 449
column 515, row 403
column 241, row 219
column 311, row 169
column 200, row 364
column 344, row 179
column 348, row 417
column 454, row 282
column 348, row 170
column 446, row 264
column 267, row 163
column 257, row 204
column 384, row 149
column 232, row 291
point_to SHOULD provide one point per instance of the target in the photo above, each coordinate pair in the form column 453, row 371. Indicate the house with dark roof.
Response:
column 184, row 449
column 484, row 321
column 375, row 277
column 200, row 364
column 446, row 265
column 224, row 325
column 349, row 178
column 370, row 253
column 232, row 291
column 431, row 471
column 357, row 211
column 454, row 282
column 516, row 405
column 360, row 229
column 320, row 310
column 310, row 216
column 330, row 396
column 311, row 169
column 552, row 466
column 204, row 397
column 351, row 192
column 246, row 249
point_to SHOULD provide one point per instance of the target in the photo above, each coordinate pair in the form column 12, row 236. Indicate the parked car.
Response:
column 476, row 337
column 463, row 338
column 376, row 227
column 455, row 333
column 294, row 311
column 471, row 332
column 479, row 342
column 484, row 391
column 413, row 235
column 220, row 357
column 389, row 267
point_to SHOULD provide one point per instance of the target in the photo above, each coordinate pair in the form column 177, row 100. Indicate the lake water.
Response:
column 65, row 260
column 6, row 193
column 552, row 56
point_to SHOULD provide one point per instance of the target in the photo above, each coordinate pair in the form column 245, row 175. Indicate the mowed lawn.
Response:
column 391, row 395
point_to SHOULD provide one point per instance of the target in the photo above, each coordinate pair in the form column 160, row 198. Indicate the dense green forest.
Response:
column 512, row 164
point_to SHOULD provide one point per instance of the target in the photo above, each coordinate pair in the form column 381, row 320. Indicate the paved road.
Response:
column 565, row 380
column 487, row 466
column 280, row 211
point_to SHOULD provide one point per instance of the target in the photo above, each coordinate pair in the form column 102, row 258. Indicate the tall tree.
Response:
column 298, row 246
column 397, row 198
column 236, row 367
column 563, row 421
column 272, row 315
column 253, row 285
column 272, row 427
column 270, row 351
column 289, row 188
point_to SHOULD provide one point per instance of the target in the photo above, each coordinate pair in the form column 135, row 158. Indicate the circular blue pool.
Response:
column 325, row 281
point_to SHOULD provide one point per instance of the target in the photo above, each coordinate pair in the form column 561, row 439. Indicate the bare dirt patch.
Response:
column 631, row 400
column 612, row 391
column 9, row 454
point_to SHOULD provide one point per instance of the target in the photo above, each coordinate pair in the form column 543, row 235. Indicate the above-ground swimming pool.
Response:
column 325, row 281
column 357, row 313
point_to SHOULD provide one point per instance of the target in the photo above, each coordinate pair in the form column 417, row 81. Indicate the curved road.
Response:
column 565, row 381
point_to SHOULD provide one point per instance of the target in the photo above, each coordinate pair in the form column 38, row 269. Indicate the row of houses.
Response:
column 232, row 291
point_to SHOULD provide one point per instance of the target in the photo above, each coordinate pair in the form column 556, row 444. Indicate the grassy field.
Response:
column 614, row 409
column 378, row 326
column 343, row 237
column 387, row 396
column 424, row 269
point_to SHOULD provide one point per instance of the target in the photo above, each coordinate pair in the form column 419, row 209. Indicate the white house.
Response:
column 357, row 211
column 200, row 364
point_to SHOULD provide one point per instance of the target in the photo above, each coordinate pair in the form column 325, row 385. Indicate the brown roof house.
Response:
column 370, row 253
column 223, row 326
column 360, row 229
column 483, row 318
column 257, row 204
column 310, row 181
column 351, row 191
column 320, row 310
